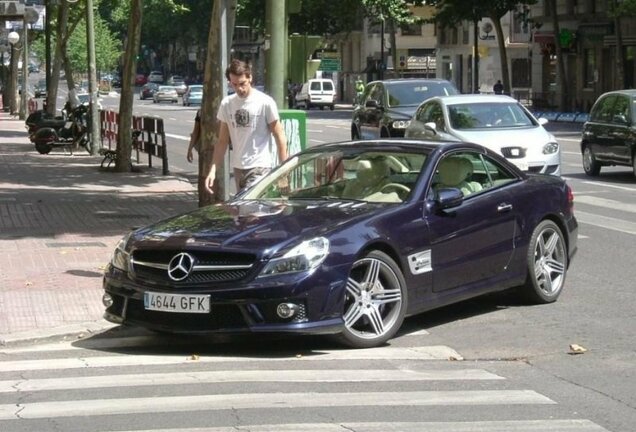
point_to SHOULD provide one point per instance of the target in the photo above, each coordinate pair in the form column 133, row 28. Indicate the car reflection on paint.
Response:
column 348, row 239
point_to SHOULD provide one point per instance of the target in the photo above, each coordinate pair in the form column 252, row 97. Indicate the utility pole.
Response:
column 47, row 43
column 92, row 79
column 275, row 76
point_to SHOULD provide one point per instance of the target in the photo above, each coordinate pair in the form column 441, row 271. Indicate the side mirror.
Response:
column 543, row 121
column 431, row 127
column 448, row 198
column 372, row 103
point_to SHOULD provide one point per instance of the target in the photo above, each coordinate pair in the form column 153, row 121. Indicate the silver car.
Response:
column 165, row 94
column 497, row 122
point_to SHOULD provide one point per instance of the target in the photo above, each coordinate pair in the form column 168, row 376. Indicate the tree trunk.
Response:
column 503, row 54
column 563, row 96
column 620, row 55
column 124, row 137
column 212, row 96
column 56, row 67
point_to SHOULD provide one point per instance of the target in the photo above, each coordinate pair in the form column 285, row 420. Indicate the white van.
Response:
column 317, row 92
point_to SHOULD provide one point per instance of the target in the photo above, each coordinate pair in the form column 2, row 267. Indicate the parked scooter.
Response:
column 69, row 132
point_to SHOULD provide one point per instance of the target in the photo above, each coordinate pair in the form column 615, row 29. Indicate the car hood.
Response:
column 402, row 111
column 499, row 138
column 251, row 225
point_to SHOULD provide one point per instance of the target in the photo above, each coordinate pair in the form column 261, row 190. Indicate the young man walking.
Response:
column 248, row 118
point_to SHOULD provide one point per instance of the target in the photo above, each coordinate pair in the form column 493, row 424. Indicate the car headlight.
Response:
column 401, row 124
column 305, row 257
column 550, row 148
column 121, row 258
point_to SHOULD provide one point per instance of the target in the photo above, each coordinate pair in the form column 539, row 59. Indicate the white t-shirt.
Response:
column 248, row 120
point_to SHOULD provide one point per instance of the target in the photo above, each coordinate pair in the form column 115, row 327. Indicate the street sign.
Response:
column 11, row 9
column 329, row 65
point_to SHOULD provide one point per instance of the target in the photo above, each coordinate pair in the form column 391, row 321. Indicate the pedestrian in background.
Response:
column 498, row 87
column 247, row 118
column 195, row 137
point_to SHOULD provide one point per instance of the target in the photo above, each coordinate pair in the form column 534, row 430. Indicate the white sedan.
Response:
column 497, row 122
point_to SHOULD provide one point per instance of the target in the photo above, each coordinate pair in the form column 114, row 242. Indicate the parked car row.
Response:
column 433, row 109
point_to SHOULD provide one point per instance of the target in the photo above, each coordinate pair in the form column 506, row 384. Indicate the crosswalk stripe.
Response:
column 606, row 222
column 562, row 425
column 604, row 202
column 165, row 404
column 194, row 377
column 383, row 353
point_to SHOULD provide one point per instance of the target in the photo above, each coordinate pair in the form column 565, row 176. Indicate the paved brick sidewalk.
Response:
column 60, row 218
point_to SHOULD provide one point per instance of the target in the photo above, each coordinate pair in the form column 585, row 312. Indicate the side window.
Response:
column 492, row 174
column 377, row 94
column 620, row 113
column 464, row 171
column 602, row 111
column 424, row 113
column 437, row 116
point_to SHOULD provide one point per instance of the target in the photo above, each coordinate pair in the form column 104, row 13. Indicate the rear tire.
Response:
column 43, row 148
column 590, row 164
column 547, row 262
column 634, row 163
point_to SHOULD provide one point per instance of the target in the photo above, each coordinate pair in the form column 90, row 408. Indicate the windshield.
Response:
column 357, row 175
column 413, row 93
column 488, row 116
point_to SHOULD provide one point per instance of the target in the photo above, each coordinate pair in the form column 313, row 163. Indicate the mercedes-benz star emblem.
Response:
column 180, row 266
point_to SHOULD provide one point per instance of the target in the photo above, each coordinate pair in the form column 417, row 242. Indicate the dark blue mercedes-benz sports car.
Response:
column 349, row 238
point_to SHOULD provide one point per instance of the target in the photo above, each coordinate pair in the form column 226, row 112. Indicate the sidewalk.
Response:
column 60, row 218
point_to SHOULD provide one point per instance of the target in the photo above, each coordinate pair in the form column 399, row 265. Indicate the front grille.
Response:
column 153, row 265
column 513, row 152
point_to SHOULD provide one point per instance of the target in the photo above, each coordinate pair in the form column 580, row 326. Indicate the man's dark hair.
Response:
column 238, row 67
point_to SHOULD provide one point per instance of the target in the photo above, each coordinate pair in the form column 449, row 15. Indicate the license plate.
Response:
column 190, row 303
column 522, row 165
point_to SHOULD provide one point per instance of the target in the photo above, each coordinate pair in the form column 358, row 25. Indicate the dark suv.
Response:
column 386, row 107
column 609, row 136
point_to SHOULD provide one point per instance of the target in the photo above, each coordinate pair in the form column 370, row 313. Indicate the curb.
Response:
column 70, row 331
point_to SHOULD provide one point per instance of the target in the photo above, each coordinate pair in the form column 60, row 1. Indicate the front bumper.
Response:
column 248, row 308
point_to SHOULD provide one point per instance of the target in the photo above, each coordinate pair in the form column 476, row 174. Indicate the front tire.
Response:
column 590, row 164
column 375, row 301
column 547, row 262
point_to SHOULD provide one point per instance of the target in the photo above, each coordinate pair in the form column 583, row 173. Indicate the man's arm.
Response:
column 219, row 154
column 276, row 129
column 194, row 138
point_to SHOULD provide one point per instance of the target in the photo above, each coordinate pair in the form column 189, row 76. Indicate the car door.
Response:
column 473, row 243
column 597, row 131
column 371, row 112
column 621, row 132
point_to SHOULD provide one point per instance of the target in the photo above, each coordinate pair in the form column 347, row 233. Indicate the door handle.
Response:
column 504, row 207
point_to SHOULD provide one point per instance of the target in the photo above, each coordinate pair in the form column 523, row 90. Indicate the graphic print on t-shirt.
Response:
column 242, row 117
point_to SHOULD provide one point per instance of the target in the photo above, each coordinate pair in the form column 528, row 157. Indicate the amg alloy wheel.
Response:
column 547, row 261
column 375, row 301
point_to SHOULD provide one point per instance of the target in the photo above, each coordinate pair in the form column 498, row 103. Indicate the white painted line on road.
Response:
column 179, row 137
column 606, row 222
column 571, row 153
column 227, row 376
column 561, row 425
column 569, row 139
column 165, row 404
column 315, row 130
column 627, row 188
column 317, row 141
column 433, row 352
column 604, row 202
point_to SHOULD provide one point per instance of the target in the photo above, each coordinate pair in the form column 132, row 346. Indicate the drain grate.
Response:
column 74, row 244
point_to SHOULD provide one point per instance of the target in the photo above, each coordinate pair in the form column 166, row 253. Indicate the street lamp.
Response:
column 13, row 38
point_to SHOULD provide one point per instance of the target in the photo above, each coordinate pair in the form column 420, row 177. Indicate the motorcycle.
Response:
column 71, row 131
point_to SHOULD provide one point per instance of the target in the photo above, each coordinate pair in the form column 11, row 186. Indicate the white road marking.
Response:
column 165, row 404
column 606, row 222
column 561, row 425
column 179, row 137
column 415, row 353
column 226, row 376
column 627, row 188
column 604, row 202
